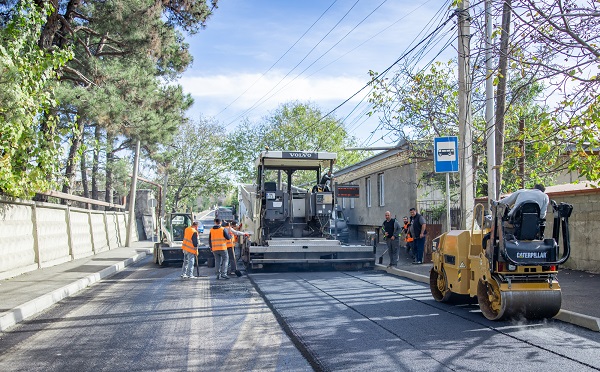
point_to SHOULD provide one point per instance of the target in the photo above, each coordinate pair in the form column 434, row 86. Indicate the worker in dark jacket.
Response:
column 418, row 232
column 391, row 233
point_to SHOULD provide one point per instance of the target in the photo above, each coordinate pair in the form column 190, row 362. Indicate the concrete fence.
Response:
column 584, row 228
column 34, row 235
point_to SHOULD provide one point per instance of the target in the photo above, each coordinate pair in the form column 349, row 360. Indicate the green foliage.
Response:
column 194, row 165
column 294, row 126
column 418, row 105
column 28, row 126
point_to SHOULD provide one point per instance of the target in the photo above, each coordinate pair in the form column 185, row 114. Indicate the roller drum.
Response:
column 529, row 304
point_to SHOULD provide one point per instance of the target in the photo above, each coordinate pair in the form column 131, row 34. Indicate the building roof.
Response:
column 384, row 160
column 585, row 187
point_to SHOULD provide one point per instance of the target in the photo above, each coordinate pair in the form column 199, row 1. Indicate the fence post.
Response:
column 36, row 244
column 89, row 213
column 69, row 231
column 106, row 230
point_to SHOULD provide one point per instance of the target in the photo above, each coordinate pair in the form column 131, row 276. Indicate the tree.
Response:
column 193, row 164
column 555, row 43
column 294, row 126
column 418, row 105
column 125, row 54
column 28, row 126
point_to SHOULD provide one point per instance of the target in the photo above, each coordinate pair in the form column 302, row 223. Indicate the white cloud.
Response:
column 221, row 90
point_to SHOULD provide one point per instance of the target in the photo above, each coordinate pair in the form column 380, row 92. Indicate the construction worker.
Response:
column 408, row 239
column 231, row 244
column 217, row 241
column 536, row 194
column 326, row 181
column 190, row 250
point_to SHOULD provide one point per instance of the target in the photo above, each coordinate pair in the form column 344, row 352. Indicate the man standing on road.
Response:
column 391, row 232
column 217, row 241
column 190, row 250
column 417, row 230
column 231, row 244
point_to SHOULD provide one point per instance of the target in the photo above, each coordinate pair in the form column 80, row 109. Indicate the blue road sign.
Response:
column 445, row 154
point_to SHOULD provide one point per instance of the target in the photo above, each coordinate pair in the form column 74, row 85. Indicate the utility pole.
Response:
column 464, row 115
column 489, row 106
column 132, row 194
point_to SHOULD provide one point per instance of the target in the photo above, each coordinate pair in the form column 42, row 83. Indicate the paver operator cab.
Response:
column 292, row 217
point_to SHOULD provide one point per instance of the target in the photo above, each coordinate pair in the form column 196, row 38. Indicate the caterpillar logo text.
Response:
column 531, row 254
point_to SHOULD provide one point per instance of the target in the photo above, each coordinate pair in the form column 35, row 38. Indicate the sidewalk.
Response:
column 27, row 294
column 580, row 290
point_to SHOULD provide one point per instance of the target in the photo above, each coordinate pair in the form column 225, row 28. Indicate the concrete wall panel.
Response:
column 99, row 232
column 113, row 230
column 17, row 250
column 81, row 235
column 53, row 240
column 584, row 225
column 122, row 220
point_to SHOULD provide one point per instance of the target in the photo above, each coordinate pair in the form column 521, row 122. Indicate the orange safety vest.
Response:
column 187, row 244
column 217, row 239
column 408, row 238
column 231, row 242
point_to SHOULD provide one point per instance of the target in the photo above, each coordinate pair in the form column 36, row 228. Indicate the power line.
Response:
column 404, row 55
column 387, row 69
column 298, row 64
column 276, row 62
column 325, row 53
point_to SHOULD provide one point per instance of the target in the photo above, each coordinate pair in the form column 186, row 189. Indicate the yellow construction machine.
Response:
column 506, row 263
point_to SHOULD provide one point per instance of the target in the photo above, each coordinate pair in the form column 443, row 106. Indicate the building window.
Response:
column 368, row 187
column 381, row 189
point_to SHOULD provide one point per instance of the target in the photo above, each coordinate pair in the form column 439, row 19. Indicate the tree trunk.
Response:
column 501, row 92
column 84, row 179
column 96, row 164
column 110, row 156
column 76, row 142
column 53, row 24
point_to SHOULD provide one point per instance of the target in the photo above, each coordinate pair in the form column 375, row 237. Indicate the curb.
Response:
column 566, row 316
column 581, row 320
column 30, row 308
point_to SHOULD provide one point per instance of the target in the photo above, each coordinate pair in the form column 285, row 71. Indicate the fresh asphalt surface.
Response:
column 357, row 321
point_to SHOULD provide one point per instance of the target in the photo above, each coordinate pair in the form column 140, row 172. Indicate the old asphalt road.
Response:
column 146, row 318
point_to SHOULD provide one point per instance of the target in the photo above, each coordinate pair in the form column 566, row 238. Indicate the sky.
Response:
column 255, row 55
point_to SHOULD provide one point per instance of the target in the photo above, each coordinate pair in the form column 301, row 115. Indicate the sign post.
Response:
column 445, row 159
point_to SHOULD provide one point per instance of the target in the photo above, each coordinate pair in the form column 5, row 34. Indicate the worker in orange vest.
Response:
column 190, row 250
column 408, row 239
column 231, row 244
column 217, row 241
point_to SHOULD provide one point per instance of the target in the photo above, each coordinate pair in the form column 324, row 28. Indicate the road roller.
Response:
column 506, row 263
